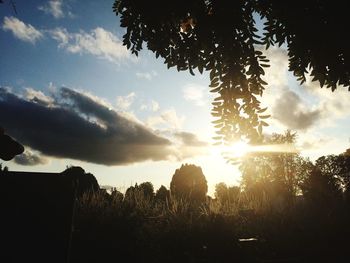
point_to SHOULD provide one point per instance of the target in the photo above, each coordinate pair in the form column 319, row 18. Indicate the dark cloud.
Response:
column 80, row 127
column 290, row 111
column 190, row 139
column 29, row 158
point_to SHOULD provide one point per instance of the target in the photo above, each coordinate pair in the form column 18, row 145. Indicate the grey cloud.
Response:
column 78, row 127
column 290, row 111
column 190, row 139
column 29, row 158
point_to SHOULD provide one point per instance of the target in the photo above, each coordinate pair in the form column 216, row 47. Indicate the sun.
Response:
column 236, row 150
column 239, row 149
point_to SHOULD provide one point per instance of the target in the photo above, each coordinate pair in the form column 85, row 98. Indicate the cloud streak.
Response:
column 190, row 139
column 79, row 127
column 146, row 75
column 124, row 102
column 166, row 118
column 54, row 8
column 28, row 158
column 20, row 30
column 98, row 42
column 195, row 94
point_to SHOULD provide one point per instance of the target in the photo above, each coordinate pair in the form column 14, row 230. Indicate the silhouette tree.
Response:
column 344, row 175
column 226, row 194
column 222, row 37
column 278, row 172
column 130, row 193
column 147, row 189
column 144, row 190
column 9, row 148
column 116, row 195
column 321, row 188
column 162, row 194
column 86, row 182
column 3, row 169
column 189, row 182
column 338, row 167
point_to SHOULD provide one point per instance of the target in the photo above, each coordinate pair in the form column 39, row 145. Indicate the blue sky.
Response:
column 48, row 45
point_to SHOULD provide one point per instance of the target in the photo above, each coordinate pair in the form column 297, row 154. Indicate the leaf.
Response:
column 264, row 116
column 264, row 123
column 212, row 74
column 214, row 84
column 216, row 89
column 200, row 67
column 217, row 121
column 262, row 110
column 191, row 71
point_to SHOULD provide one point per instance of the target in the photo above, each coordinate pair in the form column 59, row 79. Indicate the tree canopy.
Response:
column 223, row 38
column 86, row 182
column 189, row 182
column 276, row 173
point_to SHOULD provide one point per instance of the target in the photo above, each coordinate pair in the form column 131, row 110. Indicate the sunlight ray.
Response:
column 241, row 149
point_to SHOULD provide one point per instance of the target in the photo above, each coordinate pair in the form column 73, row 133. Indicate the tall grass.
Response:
column 140, row 228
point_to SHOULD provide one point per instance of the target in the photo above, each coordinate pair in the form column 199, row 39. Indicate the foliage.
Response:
column 162, row 194
column 86, row 182
column 3, row 169
column 222, row 37
column 189, row 182
column 225, row 193
column 337, row 166
column 140, row 196
column 277, row 173
column 147, row 189
column 108, row 228
column 238, row 225
column 321, row 188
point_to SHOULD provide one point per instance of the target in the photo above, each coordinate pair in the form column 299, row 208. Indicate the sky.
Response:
column 74, row 95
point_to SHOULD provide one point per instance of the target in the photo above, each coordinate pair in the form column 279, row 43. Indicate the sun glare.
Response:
column 238, row 149
column 235, row 150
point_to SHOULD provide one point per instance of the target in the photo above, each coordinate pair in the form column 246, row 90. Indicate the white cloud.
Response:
column 168, row 118
column 98, row 42
column 20, row 30
column 54, row 8
column 292, row 111
column 276, row 74
column 195, row 93
column 94, row 98
column 334, row 104
column 38, row 97
column 300, row 107
column 152, row 106
column 124, row 102
column 61, row 35
column 30, row 158
column 146, row 75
